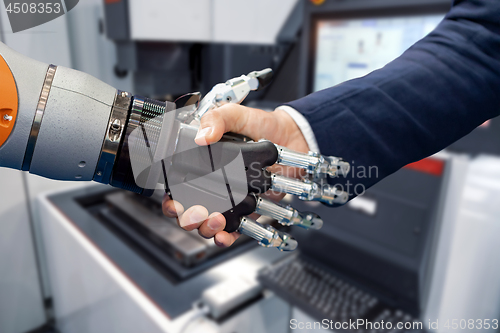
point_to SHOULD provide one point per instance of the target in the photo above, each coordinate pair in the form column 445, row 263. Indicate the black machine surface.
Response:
column 313, row 286
column 483, row 140
column 142, row 220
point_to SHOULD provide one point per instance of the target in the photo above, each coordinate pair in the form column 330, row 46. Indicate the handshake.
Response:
column 222, row 164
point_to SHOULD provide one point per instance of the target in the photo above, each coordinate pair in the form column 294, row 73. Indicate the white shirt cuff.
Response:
column 303, row 125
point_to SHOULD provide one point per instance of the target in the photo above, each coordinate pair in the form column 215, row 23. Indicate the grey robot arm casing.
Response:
column 72, row 123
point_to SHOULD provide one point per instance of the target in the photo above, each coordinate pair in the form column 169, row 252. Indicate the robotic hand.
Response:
column 239, row 166
column 66, row 125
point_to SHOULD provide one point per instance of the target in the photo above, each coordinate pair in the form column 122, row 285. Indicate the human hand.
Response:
column 276, row 126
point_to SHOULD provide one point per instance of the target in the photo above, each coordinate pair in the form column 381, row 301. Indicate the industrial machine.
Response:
column 136, row 277
column 202, row 44
column 371, row 260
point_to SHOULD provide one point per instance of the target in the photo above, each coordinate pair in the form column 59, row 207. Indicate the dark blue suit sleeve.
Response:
column 439, row 90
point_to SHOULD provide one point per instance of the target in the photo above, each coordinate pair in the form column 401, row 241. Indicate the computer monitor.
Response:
column 342, row 40
column 350, row 48
column 349, row 39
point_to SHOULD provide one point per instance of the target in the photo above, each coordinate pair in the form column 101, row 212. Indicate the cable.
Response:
column 203, row 310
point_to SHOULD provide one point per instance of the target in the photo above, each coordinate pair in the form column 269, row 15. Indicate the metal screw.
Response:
column 99, row 173
column 313, row 154
column 7, row 117
column 116, row 126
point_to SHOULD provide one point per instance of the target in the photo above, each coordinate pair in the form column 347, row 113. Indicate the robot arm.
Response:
column 63, row 124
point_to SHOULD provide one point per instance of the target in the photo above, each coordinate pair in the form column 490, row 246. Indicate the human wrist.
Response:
column 293, row 136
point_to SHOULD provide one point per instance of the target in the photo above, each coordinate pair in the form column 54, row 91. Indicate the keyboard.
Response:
column 318, row 292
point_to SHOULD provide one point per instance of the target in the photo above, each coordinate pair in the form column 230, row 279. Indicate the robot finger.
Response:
column 267, row 236
column 315, row 164
column 288, row 216
column 308, row 190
